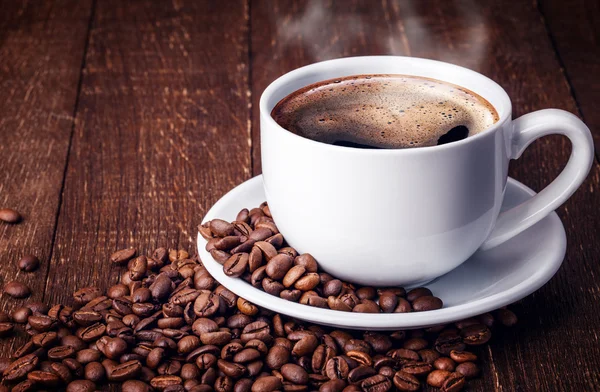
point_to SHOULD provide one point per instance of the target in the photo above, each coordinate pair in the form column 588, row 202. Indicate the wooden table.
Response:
column 122, row 122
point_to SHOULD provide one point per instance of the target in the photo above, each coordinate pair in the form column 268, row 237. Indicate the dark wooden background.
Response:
column 122, row 122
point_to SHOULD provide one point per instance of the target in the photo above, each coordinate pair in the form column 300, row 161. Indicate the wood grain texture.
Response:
column 41, row 50
column 575, row 29
column 161, row 133
column 508, row 42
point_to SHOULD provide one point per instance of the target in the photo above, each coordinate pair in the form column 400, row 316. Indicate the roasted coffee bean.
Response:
column 415, row 344
column 230, row 349
column 218, row 338
column 278, row 266
column 444, row 363
column 37, row 307
column 29, row 263
column 294, row 373
column 86, row 317
column 246, row 307
column 437, row 377
column 81, row 386
column 206, row 305
column 190, row 371
column 9, row 215
column 94, row 371
column 91, row 333
column 454, row 383
column 335, row 385
column 236, row 265
column 360, row 373
column 61, row 371
column 86, row 356
column 366, row 293
column 428, row 355
column 468, row 369
column 17, row 290
column 417, row 368
column 291, row 295
column 220, row 228
column 161, row 287
column 388, row 302
column 85, row 295
column 475, row 335
column 135, row 386
column 376, row 383
column 246, row 355
column 59, row 353
column 122, row 256
column 307, row 282
column 305, row 346
column 231, row 369
column 187, row 344
column 366, row 306
column 405, row 382
column 506, row 317
column 163, row 382
column 19, row 368
column 118, row 290
column 337, row 367
column 267, row 384
column 332, row 288
column 447, row 342
column 307, row 261
column 155, row 357
column 403, row 355
column 403, row 306
column 41, row 323
column 276, row 240
column 387, row 372
column 125, row 371
column 25, row 386
column 292, row 276
column 462, row 356
column 267, row 250
column 418, row 292
column 277, row 357
column 426, row 303
column 74, row 366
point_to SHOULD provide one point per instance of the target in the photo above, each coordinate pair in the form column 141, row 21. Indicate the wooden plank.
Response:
column 508, row 42
column 41, row 50
column 575, row 29
column 161, row 133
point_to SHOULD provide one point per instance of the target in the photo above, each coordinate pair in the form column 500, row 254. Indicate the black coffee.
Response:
column 384, row 111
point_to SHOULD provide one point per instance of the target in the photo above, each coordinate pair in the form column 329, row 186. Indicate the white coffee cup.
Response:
column 407, row 216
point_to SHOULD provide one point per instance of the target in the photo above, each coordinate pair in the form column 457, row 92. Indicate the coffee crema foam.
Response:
column 384, row 111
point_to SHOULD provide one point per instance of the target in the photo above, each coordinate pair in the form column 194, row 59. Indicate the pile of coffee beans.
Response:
column 169, row 326
column 252, row 249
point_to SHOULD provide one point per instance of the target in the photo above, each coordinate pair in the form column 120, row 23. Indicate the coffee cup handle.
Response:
column 526, row 129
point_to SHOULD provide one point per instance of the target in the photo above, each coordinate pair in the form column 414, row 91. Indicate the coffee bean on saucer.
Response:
column 415, row 293
column 426, row 303
column 29, row 263
column 9, row 215
column 17, row 290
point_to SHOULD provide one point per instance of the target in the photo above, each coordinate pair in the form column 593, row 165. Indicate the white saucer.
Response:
column 485, row 282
